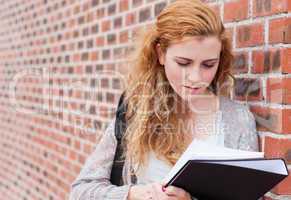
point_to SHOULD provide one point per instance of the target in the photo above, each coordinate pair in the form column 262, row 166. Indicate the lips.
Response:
column 193, row 90
column 192, row 87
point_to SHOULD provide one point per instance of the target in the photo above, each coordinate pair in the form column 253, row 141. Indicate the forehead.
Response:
column 195, row 46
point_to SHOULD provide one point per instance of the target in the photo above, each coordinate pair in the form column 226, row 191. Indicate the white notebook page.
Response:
column 275, row 166
column 200, row 150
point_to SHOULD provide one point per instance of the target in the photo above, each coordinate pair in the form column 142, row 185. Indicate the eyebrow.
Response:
column 188, row 59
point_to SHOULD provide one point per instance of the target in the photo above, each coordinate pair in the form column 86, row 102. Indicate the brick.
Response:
column 240, row 64
column 286, row 121
column 81, row 159
column 123, row 5
column 136, row 3
column 123, row 37
column 270, row 7
column 76, row 57
column 106, row 54
column 250, row 35
column 77, row 145
column 111, row 9
column 87, row 148
column 111, row 39
column 279, row 148
column 89, row 17
column 159, row 7
column 117, row 53
column 116, row 83
column 85, row 6
column 247, row 89
column 100, row 41
column 271, row 119
column 284, row 188
column 279, row 90
column 271, row 60
column 136, row 31
column 117, row 22
column 105, row 25
column 100, row 13
column 280, row 30
column 265, row 61
column 94, row 3
column 76, row 9
column 130, row 19
column 285, row 60
column 235, row 10
column 94, row 56
column 144, row 14
column 110, row 97
column 103, row 111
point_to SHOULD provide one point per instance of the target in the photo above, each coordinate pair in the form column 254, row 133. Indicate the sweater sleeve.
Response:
column 93, row 182
column 248, row 139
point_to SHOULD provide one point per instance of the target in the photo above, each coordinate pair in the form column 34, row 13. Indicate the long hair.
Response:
column 153, row 124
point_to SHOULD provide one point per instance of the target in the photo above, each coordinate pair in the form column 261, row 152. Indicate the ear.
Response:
column 161, row 55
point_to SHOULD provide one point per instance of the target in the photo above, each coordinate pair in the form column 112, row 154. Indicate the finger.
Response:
column 163, row 182
column 170, row 198
column 163, row 185
column 175, row 191
column 159, row 187
column 158, row 194
column 155, row 191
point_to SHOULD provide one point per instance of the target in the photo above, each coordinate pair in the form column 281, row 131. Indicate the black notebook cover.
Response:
column 211, row 181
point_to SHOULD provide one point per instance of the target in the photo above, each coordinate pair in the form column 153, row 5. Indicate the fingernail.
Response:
column 163, row 189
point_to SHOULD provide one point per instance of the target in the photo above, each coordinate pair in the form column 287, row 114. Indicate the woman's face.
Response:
column 190, row 65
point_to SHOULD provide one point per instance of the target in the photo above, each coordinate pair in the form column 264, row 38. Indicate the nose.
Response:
column 193, row 75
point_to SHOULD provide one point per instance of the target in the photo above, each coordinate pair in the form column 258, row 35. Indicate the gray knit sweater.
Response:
column 235, row 123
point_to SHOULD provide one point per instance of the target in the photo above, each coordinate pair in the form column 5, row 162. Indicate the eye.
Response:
column 183, row 64
column 208, row 65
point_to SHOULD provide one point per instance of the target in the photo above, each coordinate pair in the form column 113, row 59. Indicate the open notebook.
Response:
column 214, row 172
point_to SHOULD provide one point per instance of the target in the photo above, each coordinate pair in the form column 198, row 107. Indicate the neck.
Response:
column 206, row 104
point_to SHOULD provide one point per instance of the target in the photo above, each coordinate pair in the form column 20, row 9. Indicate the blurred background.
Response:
column 62, row 71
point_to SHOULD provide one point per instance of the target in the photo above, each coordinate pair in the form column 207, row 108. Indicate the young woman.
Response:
column 177, row 92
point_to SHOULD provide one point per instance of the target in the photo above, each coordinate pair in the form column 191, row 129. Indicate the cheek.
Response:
column 208, row 75
column 174, row 75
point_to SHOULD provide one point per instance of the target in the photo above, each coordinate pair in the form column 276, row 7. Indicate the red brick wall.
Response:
column 61, row 66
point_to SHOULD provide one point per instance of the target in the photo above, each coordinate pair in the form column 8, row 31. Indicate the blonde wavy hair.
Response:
column 152, row 124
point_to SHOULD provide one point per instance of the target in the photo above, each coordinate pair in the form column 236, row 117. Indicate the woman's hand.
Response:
column 155, row 191
column 177, row 193
column 140, row 192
